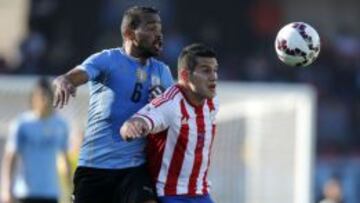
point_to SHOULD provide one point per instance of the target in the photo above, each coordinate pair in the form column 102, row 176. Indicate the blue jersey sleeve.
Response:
column 96, row 64
column 166, row 77
column 14, row 138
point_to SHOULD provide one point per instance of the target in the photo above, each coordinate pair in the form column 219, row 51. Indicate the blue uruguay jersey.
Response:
column 119, row 87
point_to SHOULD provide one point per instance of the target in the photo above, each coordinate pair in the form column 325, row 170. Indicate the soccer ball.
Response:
column 297, row 44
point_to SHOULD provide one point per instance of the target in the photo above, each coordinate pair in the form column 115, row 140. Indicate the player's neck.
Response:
column 43, row 113
column 193, row 98
column 134, row 53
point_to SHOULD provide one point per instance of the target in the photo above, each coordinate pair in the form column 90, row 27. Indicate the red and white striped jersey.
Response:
column 180, row 142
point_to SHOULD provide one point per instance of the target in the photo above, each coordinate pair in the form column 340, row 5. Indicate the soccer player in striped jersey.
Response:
column 121, row 80
column 180, row 126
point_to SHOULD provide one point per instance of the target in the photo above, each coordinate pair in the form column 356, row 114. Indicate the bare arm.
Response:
column 65, row 85
column 8, row 165
column 66, row 161
column 134, row 128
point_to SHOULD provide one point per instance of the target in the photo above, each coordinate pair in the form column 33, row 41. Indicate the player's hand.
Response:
column 134, row 128
column 63, row 89
column 155, row 91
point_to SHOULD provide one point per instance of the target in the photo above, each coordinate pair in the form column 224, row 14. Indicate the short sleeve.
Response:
column 166, row 77
column 96, row 64
column 14, row 138
column 157, row 117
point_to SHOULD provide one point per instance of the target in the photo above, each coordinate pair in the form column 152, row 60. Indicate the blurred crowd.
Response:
column 62, row 33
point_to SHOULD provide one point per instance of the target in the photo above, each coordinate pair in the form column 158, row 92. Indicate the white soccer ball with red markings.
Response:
column 297, row 44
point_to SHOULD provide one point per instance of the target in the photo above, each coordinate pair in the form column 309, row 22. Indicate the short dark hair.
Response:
column 190, row 53
column 132, row 16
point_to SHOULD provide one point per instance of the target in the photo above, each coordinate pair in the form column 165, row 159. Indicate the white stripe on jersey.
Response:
column 165, row 165
column 187, row 166
column 205, row 152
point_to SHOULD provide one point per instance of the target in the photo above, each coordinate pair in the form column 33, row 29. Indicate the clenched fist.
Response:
column 134, row 128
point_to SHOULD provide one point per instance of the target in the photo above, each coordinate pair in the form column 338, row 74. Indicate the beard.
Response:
column 147, row 51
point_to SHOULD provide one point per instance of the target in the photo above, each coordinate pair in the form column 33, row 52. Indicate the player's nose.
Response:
column 159, row 36
column 213, row 76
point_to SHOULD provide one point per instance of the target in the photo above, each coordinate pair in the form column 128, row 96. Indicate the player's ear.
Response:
column 184, row 74
column 129, row 34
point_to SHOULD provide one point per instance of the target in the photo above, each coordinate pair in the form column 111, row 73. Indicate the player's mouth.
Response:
column 212, row 87
column 158, row 45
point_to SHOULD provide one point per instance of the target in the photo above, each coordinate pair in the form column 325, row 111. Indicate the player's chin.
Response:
column 211, row 94
column 156, row 51
column 152, row 53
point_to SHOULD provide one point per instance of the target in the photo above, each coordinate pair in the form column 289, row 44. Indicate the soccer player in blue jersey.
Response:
column 36, row 138
column 121, row 81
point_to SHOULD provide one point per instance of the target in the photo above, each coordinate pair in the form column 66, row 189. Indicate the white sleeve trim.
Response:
column 147, row 120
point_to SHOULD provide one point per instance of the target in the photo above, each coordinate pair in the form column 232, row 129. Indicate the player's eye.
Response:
column 207, row 70
column 154, row 27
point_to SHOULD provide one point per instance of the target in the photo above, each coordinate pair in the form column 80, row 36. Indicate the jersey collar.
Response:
column 196, row 106
column 131, row 58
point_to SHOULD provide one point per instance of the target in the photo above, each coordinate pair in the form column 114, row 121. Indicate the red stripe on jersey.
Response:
column 178, row 154
column 210, row 103
column 172, row 95
column 205, row 183
column 198, row 150
column 168, row 99
column 156, row 146
column 172, row 89
column 164, row 96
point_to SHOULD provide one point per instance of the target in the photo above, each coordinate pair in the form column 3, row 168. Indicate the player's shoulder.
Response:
column 108, row 52
column 168, row 98
column 159, row 63
column 26, row 116
column 23, row 119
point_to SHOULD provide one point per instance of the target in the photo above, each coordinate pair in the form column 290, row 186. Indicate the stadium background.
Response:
column 41, row 37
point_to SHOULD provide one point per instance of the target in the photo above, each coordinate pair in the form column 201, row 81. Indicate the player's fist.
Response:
column 63, row 89
column 155, row 91
column 134, row 128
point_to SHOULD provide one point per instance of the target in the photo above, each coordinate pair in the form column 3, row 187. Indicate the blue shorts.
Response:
column 186, row 199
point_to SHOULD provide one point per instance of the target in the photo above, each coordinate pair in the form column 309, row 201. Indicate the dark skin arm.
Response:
column 65, row 86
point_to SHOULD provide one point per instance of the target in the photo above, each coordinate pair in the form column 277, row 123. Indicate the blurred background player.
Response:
column 181, row 124
column 36, row 138
column 122, row 80
column 332, row 191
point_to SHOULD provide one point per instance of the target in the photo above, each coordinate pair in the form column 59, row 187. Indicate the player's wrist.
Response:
column 60, row 80
column 67, row 80
column 146, row 123
column 145, row 126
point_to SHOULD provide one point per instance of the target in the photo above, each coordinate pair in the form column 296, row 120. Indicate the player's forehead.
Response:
column 150, row 18
column 206, row 62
